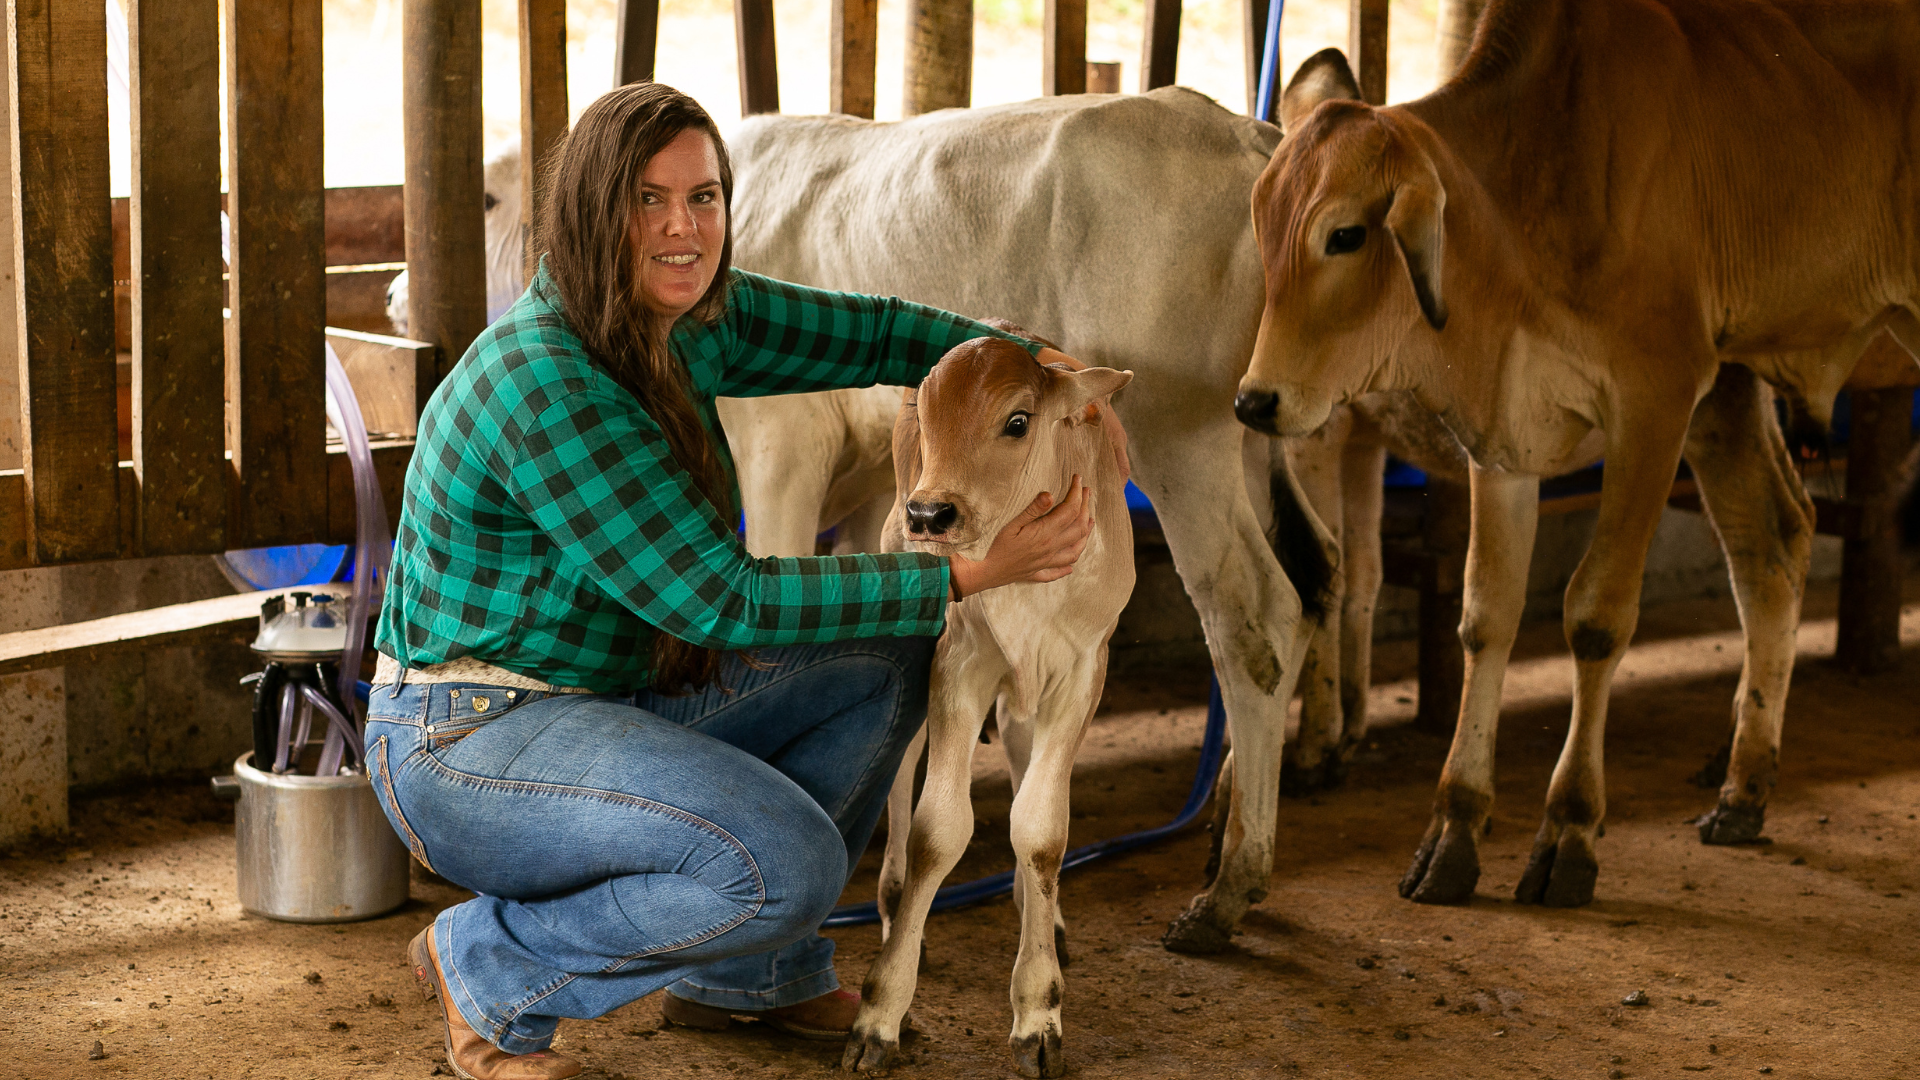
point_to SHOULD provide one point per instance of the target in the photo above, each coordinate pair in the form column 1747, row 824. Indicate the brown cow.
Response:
column 1555, row 252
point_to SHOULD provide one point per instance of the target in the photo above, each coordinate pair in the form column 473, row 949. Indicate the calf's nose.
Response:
column 931, row 517
column 1257, row 409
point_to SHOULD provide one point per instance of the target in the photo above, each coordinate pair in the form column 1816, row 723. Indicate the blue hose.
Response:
column 1212, row 747
column 1267, row 101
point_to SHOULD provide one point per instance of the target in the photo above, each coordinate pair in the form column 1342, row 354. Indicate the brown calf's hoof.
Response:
column 868, row 1052
column 1196, row 935
column 1727, row 824
column 1445, row 869
column 1558, row 875
column 1039, row 1055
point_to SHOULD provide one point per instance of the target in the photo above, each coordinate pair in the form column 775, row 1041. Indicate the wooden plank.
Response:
column 1253, row 26
column 10, row 449
column 278, row 297
column 179, row 369
column 1160, row 45
column 853, row 47
column 636, row 33
column 939, row 56
column 446, row 193
column 365, row 225
column 1103, row 76
column 543, row 107
column 391, row 377
column 1867, row 638
column 1367, row 47
column 759, row 59
column 1447, row 522
column 1063, row 57
column 63, row 265
column 357, row 297
column 53, row 646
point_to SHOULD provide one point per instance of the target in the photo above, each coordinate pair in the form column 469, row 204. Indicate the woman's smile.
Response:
column 679, row 225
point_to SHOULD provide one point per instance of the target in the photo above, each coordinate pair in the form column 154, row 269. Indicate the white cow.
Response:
column 506, row 242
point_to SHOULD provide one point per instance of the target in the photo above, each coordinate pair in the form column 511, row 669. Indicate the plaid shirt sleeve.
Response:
column 781, row 338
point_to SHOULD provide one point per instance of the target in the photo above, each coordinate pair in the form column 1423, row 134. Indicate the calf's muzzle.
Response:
column 931, row 517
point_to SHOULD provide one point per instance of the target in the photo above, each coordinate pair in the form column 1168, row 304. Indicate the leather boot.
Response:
column 827, row 1018
column 472, row 1057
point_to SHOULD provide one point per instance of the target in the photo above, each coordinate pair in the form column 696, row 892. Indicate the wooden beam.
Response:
column 759, row 61
column 223, row 616
column 1160, row 45
column 853, row 48
column 391, row 377
column 1253, row 25
column 179, row 370
column 1063, row 60
column 1871, row 565
column 1367, row 47
column 543, row 108
column 278, row 296
column 1454, row 34
column 1445, row 530
column 1103, row 76
column 446, row 192
column 63, row 266
column 636, row 32
column 939, row 56
column 357, row 297
column 366, row 225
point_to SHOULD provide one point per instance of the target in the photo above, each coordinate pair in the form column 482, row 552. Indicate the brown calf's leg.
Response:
column 1765, row 522
column 1506, row 510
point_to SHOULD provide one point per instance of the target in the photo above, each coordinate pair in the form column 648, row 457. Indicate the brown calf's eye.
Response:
column 1346, row 241
column 1016, row 426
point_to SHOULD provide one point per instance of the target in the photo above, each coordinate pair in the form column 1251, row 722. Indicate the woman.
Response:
column 654, row 757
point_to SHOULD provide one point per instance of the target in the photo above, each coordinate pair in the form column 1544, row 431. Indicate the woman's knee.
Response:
column 803, row 873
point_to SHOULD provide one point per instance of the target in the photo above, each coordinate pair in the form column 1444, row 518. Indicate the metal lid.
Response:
column 311, row 631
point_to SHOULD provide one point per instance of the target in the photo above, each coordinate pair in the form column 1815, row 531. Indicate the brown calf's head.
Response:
column 993, row 428
column 1348, row 216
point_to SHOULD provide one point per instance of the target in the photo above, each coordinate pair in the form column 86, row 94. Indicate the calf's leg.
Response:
column 1506, row 509
column 1313, row 761
column 1016, row 736
column 893, row 861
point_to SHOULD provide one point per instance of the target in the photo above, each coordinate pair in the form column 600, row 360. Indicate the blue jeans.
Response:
column 620, row 845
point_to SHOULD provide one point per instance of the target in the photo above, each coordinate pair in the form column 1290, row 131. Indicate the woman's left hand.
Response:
column 1109, row 420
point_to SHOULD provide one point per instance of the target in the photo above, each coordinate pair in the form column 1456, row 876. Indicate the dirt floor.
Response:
column 1792, row 959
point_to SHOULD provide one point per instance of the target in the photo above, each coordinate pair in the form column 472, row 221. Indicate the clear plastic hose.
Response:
column 372, row 549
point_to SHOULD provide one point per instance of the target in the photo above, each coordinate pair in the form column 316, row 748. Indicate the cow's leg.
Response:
column 1255, row 630
column 1363, row 498
column 1312, row 762
column 1016, row 737
column 893, row 863
column 963, row 687
column 1039, row 823
column 784, row 450
column 861, row 530
column 1506, row 508
column 1765, row 520
column 1602, row 608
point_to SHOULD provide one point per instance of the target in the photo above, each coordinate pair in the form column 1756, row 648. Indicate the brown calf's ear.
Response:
column 1072, row 391
column 1415, row 220
column 1324, row 77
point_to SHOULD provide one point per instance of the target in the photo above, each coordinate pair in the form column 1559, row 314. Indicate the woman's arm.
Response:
column 781, row 338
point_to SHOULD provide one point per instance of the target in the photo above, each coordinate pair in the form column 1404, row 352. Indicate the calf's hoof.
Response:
column 1559, row 874
column 868, row 1051
column 1729, row 824
column 1197, row 934
column 1039, row 1054
column 1445, row 868
column 1299, row 780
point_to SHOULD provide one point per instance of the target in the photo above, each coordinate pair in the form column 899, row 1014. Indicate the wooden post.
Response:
column 446, row 192
column 939, row 60
column 1253, row 22
column 63, row 269
column 276, row 366
column 1367, row 47
column 759, row 60
column 1871, row 566
column 853, row 55
column 636, row 30
column 1063, row 61
column 1103, row 76
column 543, row 109
column 179, row 370
column 1160, row 45
column 1446, row 525
column 1454, row 35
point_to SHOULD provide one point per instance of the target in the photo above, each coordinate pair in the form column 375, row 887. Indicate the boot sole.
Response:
column 701, row 1017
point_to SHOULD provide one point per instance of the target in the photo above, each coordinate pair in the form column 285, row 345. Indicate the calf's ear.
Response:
column 1070, row 392
column 1415, row 219
column 1324, row 76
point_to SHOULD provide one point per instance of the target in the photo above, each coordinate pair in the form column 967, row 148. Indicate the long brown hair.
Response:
column 591, row 192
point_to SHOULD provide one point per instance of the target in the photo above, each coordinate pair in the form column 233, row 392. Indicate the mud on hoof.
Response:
column 1039, row 1054
column 1558, row 875
column 1445, row 869
column 1195, row 934
column 1299, row 781
column 868, row 1051
column 1727, row 824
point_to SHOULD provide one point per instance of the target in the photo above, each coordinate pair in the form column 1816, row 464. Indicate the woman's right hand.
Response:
column 1041, row 544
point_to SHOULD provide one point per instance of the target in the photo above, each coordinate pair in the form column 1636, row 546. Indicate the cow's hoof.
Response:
column 1060, row 945
column 1714, row 772
column 868, row 1051
column 1732, row 824
column 1445, row 868
column 1196, row 934
column 1297, row 781
column 1039, row 1054
column 1558, row 875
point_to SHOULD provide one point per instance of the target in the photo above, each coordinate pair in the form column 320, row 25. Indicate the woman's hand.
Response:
column 1041, row 544
column 1109, row 420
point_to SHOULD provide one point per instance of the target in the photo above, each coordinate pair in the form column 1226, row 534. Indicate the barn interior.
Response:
column 181, row 241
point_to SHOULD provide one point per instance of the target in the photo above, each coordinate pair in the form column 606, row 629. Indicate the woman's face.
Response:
column 678, row 229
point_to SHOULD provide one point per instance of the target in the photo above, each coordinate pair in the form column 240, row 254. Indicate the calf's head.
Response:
column 1349, row 220
column 990, row 429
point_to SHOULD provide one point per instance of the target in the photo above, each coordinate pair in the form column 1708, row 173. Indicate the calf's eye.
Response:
column 1346, row 241
column 1016, row 426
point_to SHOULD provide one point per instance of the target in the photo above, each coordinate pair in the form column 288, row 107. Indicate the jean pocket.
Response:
column 390, row 802
column 470, row 708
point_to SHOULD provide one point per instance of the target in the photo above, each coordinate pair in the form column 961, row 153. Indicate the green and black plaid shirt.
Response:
column 547, row 528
